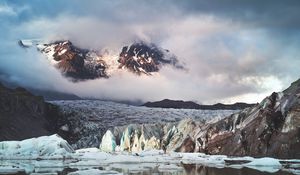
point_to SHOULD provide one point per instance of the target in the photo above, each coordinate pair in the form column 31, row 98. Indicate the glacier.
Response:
column 86, row 121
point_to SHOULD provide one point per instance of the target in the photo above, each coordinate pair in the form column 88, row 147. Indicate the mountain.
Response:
column 53, row 95
column 82, row 64
column 48, row 95
column 268, row 129
column 24, row 115
column 142, row 58
column 72, row 61
column 176, row 104
column 179, row 104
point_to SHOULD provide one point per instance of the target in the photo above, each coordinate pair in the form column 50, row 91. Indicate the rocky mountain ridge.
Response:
column 179, row 104
column 145, row 58
column 83, row 64
column 270, row 128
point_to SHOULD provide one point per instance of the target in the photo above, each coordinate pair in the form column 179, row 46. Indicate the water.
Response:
column 57, row 167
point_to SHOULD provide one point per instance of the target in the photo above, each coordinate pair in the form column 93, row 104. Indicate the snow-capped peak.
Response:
column 81, row 64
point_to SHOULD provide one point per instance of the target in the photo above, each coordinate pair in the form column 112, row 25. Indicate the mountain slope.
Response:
column 270, row 128
column 82, row 64
column 179, row 104
column 24, row 115
column 48, row 95
column 143, row 58
column 53, row 95
column 74, row 62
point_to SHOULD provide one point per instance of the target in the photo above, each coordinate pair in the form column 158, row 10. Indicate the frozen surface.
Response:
column 52, row 154
column 90, row 119
column 116, row 114
column 93, row 161
column 42, row 147
column 93, row 172
column 265, row 164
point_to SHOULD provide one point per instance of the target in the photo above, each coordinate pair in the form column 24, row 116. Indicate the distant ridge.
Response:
column 49, row 95
column 179, row 104
column 54, row 95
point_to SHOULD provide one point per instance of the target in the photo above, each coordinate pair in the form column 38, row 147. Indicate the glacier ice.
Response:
column 90, row 119
column 45, row 146
column 86, row 160
column 108, row 143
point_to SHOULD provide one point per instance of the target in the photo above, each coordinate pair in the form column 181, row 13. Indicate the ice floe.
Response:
column 53, row 154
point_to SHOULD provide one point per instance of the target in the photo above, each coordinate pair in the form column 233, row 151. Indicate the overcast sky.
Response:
column 233, row 50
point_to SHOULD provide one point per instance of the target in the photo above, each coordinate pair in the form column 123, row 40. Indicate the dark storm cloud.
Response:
column 267, row 13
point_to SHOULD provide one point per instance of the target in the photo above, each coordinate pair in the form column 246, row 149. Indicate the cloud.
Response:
column 229, row 57
column 12, row 11
column 7, row 10
column 255, row 13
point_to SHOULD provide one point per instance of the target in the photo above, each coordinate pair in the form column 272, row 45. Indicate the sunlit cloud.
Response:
column 228, row 58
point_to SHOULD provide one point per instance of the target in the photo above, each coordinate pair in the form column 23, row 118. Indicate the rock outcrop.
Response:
column 23, row 115
column 74, row 62
column 270, row 128
column 142, row 58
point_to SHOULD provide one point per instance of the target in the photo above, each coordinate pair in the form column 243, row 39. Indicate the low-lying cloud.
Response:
column 227, row 60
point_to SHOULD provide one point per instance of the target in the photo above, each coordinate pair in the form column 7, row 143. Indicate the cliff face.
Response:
column 270, row 128
column 23, row 115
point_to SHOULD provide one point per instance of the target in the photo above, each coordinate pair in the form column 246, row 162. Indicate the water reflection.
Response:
column 191, row 169
column 65, row 167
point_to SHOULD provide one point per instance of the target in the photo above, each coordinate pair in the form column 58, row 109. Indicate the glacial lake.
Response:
column 58, row 167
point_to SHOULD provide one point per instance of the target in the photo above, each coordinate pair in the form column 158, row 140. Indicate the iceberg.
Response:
column 108, row 143
column 42, row 147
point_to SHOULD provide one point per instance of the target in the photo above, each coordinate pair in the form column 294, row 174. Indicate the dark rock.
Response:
column 75, row 62
column 179, row 104
column 23, row 115
column 53, row 95
column 142, row 58
column 270, row 128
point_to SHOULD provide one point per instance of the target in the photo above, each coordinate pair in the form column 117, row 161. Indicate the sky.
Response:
column 232, row 50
